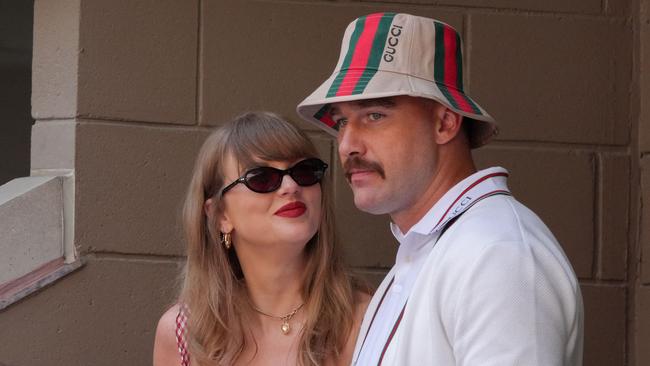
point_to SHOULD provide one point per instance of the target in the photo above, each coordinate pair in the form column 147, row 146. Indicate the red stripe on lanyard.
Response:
column 392, row 333
column 467, row 189
column 493, row 193
column 375, row 314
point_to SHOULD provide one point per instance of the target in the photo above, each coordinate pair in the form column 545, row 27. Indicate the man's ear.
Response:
column 449, row 125
column 225, row 225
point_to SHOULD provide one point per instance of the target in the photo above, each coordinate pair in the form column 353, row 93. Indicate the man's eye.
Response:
column 375, row 116
column 341, row 122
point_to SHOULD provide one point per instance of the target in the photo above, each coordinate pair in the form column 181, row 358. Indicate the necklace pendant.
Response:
column 285, row 327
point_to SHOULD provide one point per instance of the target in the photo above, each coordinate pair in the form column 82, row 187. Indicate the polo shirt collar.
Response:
column 456, row 201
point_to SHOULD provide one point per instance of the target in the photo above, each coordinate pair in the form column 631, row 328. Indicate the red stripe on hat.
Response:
column 361, row 54
column 461, row 101
column 327, row 119
column 451, row 68
column 451, row 71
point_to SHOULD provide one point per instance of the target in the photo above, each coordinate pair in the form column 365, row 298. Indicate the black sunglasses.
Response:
column 267, row 179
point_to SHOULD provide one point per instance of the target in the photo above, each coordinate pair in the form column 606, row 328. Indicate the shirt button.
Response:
column 397, row 289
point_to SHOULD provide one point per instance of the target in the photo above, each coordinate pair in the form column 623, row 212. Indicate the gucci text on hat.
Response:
column 389, row 54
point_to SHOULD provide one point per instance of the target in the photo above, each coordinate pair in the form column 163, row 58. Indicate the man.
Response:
column 478, row 278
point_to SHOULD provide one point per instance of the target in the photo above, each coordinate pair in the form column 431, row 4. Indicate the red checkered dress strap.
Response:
column 181, row 334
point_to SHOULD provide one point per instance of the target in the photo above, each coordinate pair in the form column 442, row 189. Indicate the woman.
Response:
column 264, row 283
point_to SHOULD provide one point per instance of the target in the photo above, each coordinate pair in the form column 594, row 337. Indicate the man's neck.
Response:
column 447, row 176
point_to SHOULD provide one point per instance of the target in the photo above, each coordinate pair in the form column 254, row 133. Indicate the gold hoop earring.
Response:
column 226, row 240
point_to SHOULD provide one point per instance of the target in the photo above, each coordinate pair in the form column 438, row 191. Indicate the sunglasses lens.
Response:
column 267, row 179
column 308, row 172
column 264, row 179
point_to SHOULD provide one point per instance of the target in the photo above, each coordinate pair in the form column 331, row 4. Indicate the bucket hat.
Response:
column 391, row 54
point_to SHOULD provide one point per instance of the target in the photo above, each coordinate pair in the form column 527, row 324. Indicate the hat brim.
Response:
column 388, row 84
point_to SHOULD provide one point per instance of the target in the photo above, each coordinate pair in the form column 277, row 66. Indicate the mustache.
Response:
column 356, row 162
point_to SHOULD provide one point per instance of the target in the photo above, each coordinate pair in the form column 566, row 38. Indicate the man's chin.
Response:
column 368, row 204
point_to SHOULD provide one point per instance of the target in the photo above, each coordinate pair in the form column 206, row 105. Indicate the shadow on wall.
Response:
column 16, row 24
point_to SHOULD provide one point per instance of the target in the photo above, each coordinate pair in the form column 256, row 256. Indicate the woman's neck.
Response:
column 274, row 278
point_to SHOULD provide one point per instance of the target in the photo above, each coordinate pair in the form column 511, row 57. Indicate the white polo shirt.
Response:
column 433, row 308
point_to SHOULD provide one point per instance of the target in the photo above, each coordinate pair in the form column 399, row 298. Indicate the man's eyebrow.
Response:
column 387, row 102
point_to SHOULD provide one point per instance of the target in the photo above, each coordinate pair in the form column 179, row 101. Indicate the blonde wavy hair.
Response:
column 214, row 286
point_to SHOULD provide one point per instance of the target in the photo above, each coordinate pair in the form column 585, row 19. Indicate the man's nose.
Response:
column 350, row 141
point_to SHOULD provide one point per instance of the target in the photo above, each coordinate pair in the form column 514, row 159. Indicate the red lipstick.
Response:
column 292, row 209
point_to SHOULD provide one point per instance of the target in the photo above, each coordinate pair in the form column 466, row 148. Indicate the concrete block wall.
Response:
column 124, row 93
column 114, row 98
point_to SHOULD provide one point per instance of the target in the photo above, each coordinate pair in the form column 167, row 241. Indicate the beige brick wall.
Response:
column 101, row 315
column 125, row 91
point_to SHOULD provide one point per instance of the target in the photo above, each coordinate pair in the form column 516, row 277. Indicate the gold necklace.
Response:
column 285, row 328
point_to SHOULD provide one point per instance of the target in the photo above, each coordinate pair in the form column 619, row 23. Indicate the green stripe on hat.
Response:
column 358, row 29
column 459, row 63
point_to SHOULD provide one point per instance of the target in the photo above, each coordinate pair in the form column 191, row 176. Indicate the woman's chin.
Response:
column 297, row 239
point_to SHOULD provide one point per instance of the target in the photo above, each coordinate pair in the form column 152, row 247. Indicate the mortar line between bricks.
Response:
column 596, row 269
column 56, row 121
column 446, row 7
column 134, row 257
column 91, row 117
column 550, row 145
column 604, row 283
column 160, row 125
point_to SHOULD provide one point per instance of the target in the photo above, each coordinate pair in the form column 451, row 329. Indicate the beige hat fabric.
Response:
column 389, row 54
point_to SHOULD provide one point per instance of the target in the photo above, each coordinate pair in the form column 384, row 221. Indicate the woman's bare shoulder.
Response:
column 165, row 350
